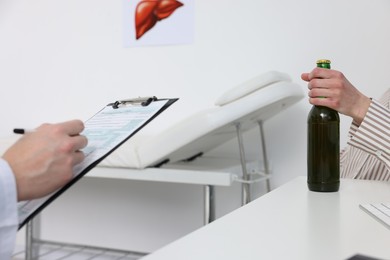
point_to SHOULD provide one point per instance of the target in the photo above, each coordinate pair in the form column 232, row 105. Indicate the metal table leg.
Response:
column 265, row 157
column 209, row 204
column 32, row 233
column 246, row 194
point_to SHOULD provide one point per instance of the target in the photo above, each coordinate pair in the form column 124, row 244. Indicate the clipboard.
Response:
column 108, row 129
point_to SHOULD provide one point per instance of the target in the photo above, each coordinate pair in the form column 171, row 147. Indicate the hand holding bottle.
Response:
column 340, row 94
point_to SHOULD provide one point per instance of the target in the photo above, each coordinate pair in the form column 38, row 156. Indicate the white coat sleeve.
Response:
column 8, row 211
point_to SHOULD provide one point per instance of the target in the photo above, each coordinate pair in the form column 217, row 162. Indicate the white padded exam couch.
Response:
column 177, row 153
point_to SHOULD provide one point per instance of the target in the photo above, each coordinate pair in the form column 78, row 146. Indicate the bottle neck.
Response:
column 323, row 65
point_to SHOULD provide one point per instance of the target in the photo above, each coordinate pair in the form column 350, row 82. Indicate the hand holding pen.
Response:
column 43, row 160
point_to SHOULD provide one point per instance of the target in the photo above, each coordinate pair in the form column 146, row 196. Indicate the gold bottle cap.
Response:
column 323, row 61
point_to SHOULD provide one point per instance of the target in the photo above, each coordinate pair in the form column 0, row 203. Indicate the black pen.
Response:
column 22, row 131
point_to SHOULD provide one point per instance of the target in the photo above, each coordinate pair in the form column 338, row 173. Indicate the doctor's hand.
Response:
column 340, row 94
column 42, row 161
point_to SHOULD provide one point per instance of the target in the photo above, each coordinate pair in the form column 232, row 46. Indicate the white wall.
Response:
column 64, row 59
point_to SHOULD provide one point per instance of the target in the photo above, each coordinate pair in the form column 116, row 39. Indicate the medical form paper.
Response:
column 106, row 131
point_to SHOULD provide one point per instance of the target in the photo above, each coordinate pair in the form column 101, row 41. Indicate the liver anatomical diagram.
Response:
column 149, row 12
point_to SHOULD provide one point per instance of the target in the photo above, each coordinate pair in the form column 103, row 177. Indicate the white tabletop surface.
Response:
column 292, row 223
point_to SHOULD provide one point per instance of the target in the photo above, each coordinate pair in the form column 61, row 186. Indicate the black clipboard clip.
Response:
column 140, row 101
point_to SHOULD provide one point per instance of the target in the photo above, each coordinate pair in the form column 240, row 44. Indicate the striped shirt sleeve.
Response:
column 367, row 154
column 373, row 135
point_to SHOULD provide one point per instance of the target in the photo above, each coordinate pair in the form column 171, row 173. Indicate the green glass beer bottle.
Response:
column 323, row 146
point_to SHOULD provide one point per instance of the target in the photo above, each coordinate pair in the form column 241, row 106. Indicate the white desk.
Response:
column 292, row 223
